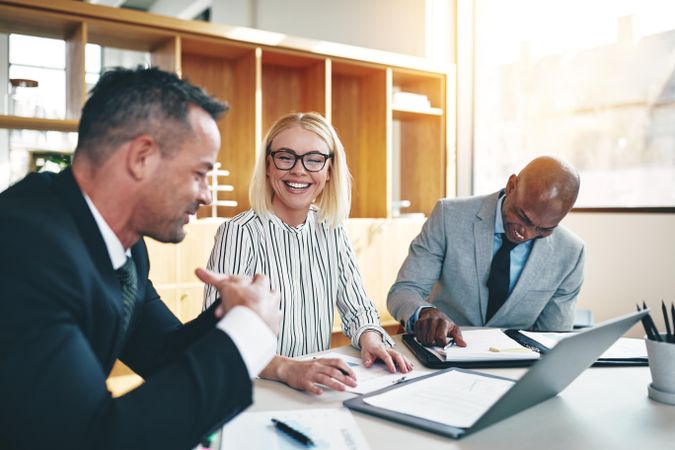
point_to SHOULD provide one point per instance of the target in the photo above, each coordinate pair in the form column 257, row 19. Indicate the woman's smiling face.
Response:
column 296, row 189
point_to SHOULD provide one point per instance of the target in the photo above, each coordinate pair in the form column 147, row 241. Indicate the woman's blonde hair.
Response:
column 334, row 201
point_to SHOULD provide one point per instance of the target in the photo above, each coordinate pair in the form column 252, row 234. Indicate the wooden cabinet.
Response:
column 396, row 149
column 395, row 152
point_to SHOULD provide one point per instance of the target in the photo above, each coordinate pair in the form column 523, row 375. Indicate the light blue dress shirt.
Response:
column 519, row 253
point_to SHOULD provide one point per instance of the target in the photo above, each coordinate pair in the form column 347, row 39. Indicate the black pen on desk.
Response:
column 666, row 319
column 342, row 371
column 672, row 315
column 292, row 432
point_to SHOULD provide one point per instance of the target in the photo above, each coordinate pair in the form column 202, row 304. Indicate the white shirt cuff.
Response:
column 254, row 340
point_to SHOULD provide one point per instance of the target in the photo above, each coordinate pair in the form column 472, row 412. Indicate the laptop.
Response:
column 552, row 373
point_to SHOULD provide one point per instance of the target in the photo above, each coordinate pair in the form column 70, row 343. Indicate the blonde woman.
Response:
column 300, row 195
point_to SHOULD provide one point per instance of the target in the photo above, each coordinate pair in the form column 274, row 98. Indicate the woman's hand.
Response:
column 333, row 373
column 372, row 349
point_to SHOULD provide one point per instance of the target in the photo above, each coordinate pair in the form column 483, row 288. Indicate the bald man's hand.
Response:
column 433, row 328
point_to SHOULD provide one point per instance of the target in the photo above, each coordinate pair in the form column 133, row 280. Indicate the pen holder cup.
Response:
column 662, row 366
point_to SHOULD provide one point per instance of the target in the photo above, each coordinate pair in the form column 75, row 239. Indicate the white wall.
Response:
column 390, row 25
column 630, row 258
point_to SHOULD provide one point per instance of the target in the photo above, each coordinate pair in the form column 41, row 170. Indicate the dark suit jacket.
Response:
column 61, row 332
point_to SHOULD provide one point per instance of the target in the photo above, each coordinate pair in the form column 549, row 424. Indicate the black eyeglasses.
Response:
column 285, row 159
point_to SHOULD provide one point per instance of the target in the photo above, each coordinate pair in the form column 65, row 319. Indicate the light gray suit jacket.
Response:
column 449, row 262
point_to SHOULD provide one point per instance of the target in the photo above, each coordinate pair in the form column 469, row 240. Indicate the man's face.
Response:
column 529, row 212
column 179, row 185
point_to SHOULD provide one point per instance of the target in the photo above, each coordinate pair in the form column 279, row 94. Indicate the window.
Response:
column 36, row 72
column 591, row 82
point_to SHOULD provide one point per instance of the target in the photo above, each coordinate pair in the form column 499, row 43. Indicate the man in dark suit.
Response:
column 75, row 294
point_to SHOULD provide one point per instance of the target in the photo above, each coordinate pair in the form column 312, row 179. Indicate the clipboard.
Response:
column 359, row 404
column 431, row 360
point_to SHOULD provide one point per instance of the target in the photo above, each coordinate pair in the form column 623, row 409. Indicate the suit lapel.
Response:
column 74, row 201
column 76, row 204
column 483, row 235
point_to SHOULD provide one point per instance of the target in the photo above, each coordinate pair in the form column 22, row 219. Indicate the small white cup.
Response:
column 662, row 366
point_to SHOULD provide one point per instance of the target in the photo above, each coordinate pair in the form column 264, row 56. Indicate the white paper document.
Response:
column 373, row 378
column 333, row 429
column 453, row 398
column 623, row 348
column 626, row 348
column 486, row 345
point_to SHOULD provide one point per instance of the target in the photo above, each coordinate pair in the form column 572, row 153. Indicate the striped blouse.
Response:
column 312, row 266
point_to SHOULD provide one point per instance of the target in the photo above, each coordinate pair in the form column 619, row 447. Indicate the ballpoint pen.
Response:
column 293, row 433
column 672, row 316
column 399, row 380
column 451, row 343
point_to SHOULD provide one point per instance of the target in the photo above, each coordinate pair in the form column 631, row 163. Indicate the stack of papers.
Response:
column 373, row 378
column 624, row 348
column 485, row 345
column 411, row 100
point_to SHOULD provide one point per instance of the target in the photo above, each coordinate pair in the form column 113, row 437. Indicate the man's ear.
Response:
column 143, row 154
column 511, row 184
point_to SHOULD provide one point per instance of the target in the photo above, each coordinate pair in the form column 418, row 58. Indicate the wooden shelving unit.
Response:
column 34, row 123
column 261, row 80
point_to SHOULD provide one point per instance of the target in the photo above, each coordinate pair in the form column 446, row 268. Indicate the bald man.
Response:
column 451, row 275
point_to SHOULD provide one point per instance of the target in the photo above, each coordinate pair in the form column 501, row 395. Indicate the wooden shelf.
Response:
column 263, row 76
column 31, row 123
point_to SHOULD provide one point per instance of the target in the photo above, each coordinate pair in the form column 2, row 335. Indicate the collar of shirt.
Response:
column 311, row 218
column 499, row 220
column 118, row 255
column 519, row 254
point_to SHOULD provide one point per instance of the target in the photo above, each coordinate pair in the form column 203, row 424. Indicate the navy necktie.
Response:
column 128, row 281
column 500, row 277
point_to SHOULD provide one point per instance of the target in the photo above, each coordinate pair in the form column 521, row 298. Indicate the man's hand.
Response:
column 372, row 349
column 433, row 328
column 333, row 373
column 253, row 293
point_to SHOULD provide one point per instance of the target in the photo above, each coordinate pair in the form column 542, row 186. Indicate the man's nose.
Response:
column 205, row 197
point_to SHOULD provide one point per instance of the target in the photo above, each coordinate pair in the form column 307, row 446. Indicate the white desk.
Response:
column 605, row 408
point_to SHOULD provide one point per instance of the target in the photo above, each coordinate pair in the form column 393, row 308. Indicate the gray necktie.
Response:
column 127, row 276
